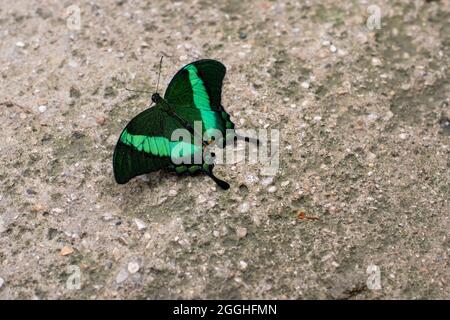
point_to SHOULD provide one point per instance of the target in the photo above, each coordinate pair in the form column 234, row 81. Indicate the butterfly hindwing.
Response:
column 129, row 162
column 145, row 145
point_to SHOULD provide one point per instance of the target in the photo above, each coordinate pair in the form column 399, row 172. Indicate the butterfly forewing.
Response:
column 195, row 94
column 211, row 72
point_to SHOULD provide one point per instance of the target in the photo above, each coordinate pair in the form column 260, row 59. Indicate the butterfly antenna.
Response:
column 141, row 91
column 159, row 73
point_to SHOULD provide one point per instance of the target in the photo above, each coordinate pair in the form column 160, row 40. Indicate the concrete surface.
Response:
column 365, row 136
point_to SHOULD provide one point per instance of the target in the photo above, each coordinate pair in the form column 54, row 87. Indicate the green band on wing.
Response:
column 159, row 146
column 201, row 98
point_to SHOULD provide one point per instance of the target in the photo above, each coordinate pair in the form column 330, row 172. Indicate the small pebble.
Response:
column 333, row 48
column 42, row 108
column 244, row 207
column 100, row 120
column 242, row 35
column 372, row 117
column 31, row 192
column 72, row 63
column 317, row 118
column 341, row 53
column 212, row 203
column 140, row 224
column 267, row 181
column 172, row 193
column 371, row 156
column 403, row 136
column 243, row 265
column 376, row 62
column 389, row 115
column 66, row 250
column 147, row 236
column 20, row 44
column 121, row 276
column 133, row 267
column 285, row 183
column 362, row 38
column 251, row 179
column 241, row 232
column 38, row 207
column 162, row 200
column 272, row 189
column 108, row 216
column 406, row 86
column 116, row 253
column 305, row 85
column 201, row 199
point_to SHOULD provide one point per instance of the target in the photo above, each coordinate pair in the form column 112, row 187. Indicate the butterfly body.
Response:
column 146, row 143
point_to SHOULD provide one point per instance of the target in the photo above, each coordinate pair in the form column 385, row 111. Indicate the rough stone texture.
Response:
column 364, row 120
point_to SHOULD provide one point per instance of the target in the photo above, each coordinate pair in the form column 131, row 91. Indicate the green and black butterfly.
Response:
column 194, row 94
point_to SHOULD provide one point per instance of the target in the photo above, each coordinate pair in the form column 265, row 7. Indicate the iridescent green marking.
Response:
column 180, row 169
column 158, row 146
column 201, row 98
column 194, row 169
column 206, row 166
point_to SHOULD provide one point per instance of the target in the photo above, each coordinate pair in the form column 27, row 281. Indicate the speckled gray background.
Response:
column 364, row 121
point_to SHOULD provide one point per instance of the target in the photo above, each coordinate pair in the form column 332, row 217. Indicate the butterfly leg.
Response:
column 208, row 168
column 247, row 139
column 235, row 137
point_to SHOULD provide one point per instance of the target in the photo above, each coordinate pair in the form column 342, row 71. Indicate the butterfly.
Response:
column 193, row 94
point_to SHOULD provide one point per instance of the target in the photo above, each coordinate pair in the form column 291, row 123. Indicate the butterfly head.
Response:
column 156, row 97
